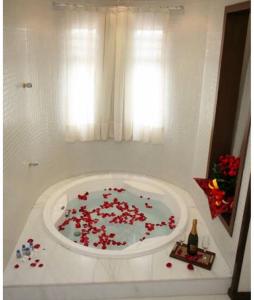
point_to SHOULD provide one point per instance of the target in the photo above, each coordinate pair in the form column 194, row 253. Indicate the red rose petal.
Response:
column 179, row 252
column 169, row 265
column 29, row 258
column 33, row 264
column 37, row 260
column 190, row 267
column 16, row 266
column 127, row 214
column 30, row 241
column 40, row 265
column 37, row 246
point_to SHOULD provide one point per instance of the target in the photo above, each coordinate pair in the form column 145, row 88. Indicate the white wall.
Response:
column 33, row 123
column 226, row 243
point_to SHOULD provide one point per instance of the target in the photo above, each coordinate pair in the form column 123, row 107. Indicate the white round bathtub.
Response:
column 63, row 192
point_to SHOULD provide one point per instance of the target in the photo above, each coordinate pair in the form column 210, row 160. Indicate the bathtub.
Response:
column 164, row 192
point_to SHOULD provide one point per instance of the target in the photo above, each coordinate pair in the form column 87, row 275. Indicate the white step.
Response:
column 67, row 275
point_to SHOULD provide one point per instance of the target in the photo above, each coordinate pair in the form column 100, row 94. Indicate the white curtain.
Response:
column 82, row 62
column 115, row 74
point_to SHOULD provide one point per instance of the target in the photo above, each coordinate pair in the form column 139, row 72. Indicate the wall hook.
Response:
column 27, row 85
column 33, row 164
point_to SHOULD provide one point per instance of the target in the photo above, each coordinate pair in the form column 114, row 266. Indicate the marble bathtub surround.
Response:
column 107, row 278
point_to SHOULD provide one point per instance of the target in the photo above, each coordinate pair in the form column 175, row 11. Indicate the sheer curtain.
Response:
column 115, row 74
column 145, row 81
column 82, row 61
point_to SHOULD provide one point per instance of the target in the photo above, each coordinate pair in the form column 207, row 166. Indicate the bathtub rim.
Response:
column 52, row 194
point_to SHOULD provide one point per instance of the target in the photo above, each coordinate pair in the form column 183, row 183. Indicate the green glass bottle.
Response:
column 192, row 246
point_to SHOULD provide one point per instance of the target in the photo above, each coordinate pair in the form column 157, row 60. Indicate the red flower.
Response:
column 218, row 194
column 232, row 173
column 126, row 214
column 190, row 267
column 40, row 265
column 105, row 196
column 148, row 206
column 179, row 251
column 169, row 265
column 119, row 190
column 16, row 266
column 37, row 246
column 84, row 196
column 33, row 265
column 149, row 226
column 171, row 222
column 30, row 241
column 228, row 165
column 193, row 258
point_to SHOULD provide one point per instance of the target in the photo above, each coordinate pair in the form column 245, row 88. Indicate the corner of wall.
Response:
column 225, row 242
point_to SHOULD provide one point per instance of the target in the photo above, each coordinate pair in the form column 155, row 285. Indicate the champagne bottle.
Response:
column 192, row 247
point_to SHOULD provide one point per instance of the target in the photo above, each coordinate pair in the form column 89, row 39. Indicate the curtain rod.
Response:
column 62, row 5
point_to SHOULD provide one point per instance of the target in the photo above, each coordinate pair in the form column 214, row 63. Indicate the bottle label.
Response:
column 193, row 248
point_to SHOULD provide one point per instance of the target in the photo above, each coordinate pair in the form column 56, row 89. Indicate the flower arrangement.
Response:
column 220, row 188
column 225, row 172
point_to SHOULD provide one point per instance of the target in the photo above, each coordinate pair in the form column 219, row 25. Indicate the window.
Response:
column 115, row 70
column 82, row 77
column 147, row 98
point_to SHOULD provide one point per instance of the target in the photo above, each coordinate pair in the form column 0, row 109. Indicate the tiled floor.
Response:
column 205, row 297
